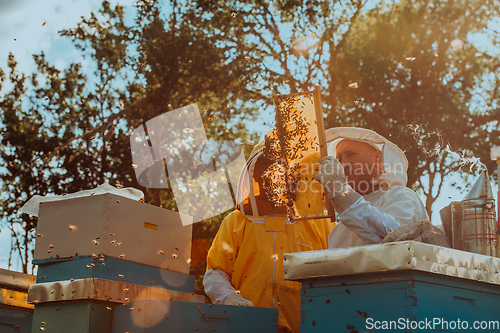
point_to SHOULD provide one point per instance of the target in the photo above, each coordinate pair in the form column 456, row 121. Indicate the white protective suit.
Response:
column 369, row 219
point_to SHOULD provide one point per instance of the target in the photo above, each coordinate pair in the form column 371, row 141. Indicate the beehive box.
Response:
column 398, row 301
column 111, row 225
column 110, row 268
column 396, row 287
column 73, row 316
column 16, row 314
column 150, row 316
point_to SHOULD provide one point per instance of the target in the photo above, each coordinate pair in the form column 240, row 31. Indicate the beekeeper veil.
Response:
column 251, row 195
column 247, row 186
column 395, row 164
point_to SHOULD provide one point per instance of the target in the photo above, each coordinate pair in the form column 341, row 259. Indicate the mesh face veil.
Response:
column 395, row 164
column 245, row 194
column 251, row 195
column 309, row 200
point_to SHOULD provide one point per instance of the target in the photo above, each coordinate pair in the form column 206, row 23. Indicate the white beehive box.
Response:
column 112, row 225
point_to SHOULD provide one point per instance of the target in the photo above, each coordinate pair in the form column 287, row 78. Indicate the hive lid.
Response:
column 104, row 290
column 481, row 188
column 408, row 255
column 15, row 280
column 32, row 206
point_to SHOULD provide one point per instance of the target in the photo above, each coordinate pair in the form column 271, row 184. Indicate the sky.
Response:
column 29, row 27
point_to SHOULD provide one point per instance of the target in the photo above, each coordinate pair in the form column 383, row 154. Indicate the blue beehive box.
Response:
column 110, row 268
column 80, row 295
column 74, row 316
column 149, row 316
column 397, row 287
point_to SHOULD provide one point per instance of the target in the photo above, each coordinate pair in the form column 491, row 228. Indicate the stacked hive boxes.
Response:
column 396, row 287
column 98, row 252
column 112, row 264
column 15, row 312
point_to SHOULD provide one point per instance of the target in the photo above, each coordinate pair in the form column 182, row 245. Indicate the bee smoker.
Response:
column 495, row 156
column 478, row 231
column 470, row 224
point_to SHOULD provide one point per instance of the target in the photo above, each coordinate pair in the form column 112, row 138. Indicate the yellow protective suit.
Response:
column 249, row 249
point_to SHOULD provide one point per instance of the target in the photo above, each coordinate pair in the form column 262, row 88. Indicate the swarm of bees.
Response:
column 293, row 139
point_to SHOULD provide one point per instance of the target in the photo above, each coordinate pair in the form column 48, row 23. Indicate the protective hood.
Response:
column 308, row 201
column 394, row 160
column 247, row 186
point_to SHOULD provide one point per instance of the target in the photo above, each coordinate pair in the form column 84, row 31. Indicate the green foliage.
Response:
column 65, row 131
column 400, row 57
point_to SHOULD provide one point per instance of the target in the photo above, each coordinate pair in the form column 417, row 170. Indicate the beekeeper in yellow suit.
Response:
column 365, row 178
column 245, row 262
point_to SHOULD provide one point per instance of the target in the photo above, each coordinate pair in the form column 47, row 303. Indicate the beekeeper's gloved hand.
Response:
column 331, row 176
column 218, row 287
column 236, row 299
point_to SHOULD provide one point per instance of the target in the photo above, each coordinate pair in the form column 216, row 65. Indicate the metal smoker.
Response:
column 477, row 224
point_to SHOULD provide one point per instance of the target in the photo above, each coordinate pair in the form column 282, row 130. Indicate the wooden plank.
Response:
column 15, row 298
column 457, row 282
column 303, row 93
column 318, row 108
column 448, row 303
column 15, row 280
column 382, row 285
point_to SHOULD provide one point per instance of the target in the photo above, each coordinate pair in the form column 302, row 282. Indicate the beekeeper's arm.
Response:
column 369, row 223
column 220, row 261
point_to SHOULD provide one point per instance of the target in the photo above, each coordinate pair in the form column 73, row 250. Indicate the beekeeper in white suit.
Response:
column 365, row 177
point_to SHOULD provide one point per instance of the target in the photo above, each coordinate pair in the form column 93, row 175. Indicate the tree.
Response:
column 389, row 53
column 66, row 131
column 417, row 79
column 21, row 127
